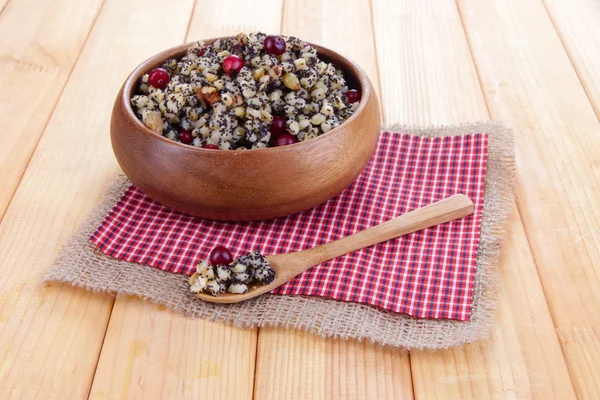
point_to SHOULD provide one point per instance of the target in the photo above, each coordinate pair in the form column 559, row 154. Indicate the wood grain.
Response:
column 523, row 359
column 577, row 24
column 191, row 369
column 230, row 17
column 41, row 42
column 350, row 369
column 294, row 364
column 344, row 26
column 172, row 356
column 419, row 45
column 446, row 90
column 3, row 4
column 530, row 83
column 50, row 337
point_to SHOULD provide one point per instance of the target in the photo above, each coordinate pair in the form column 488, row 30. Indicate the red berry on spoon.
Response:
column 220, row 255
column 185, row 137
column 284, row 139
column 233, row 64
column 274, row 45
column 277, row 125
column 353, row 96
column 159, row 78
column 211, row 147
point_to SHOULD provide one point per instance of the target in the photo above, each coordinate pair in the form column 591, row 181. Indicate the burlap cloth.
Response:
column 80, row 263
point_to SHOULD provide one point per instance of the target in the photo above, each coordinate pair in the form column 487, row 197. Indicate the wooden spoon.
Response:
column 289, row 265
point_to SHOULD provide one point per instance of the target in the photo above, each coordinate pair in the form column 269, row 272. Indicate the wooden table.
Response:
column 532, row 64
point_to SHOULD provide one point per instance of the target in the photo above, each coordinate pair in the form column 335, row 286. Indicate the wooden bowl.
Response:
column 245, row 185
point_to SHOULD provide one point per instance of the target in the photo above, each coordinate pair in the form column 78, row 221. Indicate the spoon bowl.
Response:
column 289, row 265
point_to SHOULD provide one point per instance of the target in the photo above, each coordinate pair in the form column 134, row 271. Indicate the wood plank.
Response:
column 230, row 17
column 35, row 63
column 50, row 337
column 577, row 24
column 328, row 23
column 530, row 83
column 292, row 364
column 171, row 356
column 418, row 45
column 3, row 4
column 440, row 86
column 221, row 364
column 523, row 359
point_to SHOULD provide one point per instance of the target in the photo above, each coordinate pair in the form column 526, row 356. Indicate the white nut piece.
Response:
column 244, row 277
column 303, row 124
column 198, row 285
column 318, row 94
column 223, row 54
column 247, row 93
column 258, row 73
column 219, row 84
column 293, row 127
column 254, row 113
column 223, row 273
column 213, row 287
column 237, row 288
column 211, row 77
column 205, row 132
column 275, row 71
column 202, row 267
column 300, row 64
column 227, row 99
column 266, row 116
column 240, row 112
column 152, row 120
column 139, row 101
column 239, row 267
column 225, row 146
column 291, row 81
column 317, row 119
column 275, row 95
column 327, row 109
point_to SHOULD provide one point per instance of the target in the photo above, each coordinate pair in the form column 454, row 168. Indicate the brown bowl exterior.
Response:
column 245, row 185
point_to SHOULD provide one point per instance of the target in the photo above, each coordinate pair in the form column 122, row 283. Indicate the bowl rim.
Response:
column 157, row 59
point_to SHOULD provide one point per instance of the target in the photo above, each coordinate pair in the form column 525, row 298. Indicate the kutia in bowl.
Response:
column 221, row 129
column 248, row 92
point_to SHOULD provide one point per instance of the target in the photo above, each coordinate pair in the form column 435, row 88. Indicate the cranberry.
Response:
column 277, row 125
column 233, row 64
column 211, row 147
column 220, row 255
column 353, row 95
column 185, row 137
column 159, row 78
column 274, row 45
column 284, row 139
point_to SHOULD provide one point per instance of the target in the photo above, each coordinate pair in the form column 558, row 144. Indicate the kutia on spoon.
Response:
column 275, row 270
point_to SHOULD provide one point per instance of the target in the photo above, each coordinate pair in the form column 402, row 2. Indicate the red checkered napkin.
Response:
column 427, row 274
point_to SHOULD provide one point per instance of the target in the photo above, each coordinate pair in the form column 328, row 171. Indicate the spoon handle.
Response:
column 440, row 212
